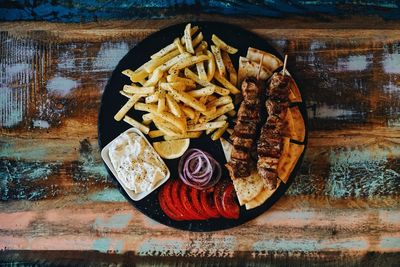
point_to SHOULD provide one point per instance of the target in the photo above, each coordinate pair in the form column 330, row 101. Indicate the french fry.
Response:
column 188, row 39
column 161, row 102
column 180, row 86
column 226, row 83
column 183, row 136
column 152, row 98
column 164, row 115
column 210, row 111
column 205, row 126
column 201, row 47
column 210, row 66
column 147, row 118
column 173, row 106
column 125, row 108
column 165, row 127
column 186, row 98
column 155, row 133
column 218, row 60
column 135, row 76
column 202, row 100
column 230, row 68
column 198, row 39
column 211, row 98
column 220, row 111
column 201, row 71
column 143, row 128
column 219, row 132
column 209, row 90
column 186, row 63
column 126, row 94
column 191, row 75
column 131, row 89
column 188, row 82
column 220, row 101
column 178, row 44
column 151, row 65
column 155, row 77
column 171, row 62
column 222, row 45
column 188, row 112
column 220, row 118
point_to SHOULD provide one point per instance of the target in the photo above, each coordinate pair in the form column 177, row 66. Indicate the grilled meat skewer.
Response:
column 269, row 145
column 245, row 130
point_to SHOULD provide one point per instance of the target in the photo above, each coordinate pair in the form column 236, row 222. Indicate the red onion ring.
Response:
column 199, row 169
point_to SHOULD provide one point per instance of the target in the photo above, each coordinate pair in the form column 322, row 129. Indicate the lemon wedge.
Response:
column 171, row 149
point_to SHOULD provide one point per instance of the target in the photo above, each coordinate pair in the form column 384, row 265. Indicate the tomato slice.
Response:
column 195, row 200
column 229, row 205
column 170, row 202
column 190, row 210
column 165, row 208
column 218, row 192
column 208, row 204
column 176, row 200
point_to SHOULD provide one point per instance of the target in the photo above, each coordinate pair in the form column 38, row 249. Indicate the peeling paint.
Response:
column 117, row 221
column 108, row 195
column 354, row 63
column 61, row 85
column 102, row 244
column 350, row 244
column 391, row 63
column 390, row 243
column 285, row 245
column 41, row 124
column 326, row 111
column 109, row 55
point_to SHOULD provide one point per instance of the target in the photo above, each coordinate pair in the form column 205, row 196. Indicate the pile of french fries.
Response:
column 185, row 88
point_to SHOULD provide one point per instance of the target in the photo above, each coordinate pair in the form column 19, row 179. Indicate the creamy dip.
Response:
column 136, row 163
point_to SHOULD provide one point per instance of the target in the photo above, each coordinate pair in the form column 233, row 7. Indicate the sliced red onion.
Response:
column 199, row 169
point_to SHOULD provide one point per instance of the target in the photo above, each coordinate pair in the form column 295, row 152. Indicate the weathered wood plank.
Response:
column 345, row 199
column 341, row 225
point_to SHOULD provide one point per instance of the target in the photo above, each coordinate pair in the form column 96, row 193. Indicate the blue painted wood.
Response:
column 93, row 10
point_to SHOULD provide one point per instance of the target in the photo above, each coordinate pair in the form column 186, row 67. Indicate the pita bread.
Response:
column 249, row 68
column 227, row 148
column 288, row 126
column 261, row 197
column 290, row 154
column 299, row 128
column 270, row 62
column 294, row 95
column 247, row 188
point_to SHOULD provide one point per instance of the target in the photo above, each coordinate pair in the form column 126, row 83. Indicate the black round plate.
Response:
column 112, row 101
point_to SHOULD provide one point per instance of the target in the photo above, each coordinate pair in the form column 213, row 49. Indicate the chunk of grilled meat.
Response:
column 245, row 129
column 269, row 145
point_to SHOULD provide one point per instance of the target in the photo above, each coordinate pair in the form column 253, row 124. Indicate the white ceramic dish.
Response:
column 134, row 196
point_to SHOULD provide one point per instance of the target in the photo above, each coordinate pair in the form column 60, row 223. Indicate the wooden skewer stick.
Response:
column 284, row 65
column 260, row 66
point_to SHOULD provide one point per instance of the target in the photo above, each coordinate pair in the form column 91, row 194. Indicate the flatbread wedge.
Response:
column 248, row 68
column 294, row 95
column 247, row 188
column 299, row 127
column 290, row 155
column 270, row 62
column 261, row 197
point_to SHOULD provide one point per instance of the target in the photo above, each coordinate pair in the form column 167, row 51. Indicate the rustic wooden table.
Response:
column 60, row 207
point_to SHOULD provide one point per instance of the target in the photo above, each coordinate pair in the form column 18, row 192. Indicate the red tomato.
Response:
column 207, row 202
column 195, row 200
column 176, row 200
column 165, row 208
column 231, row 208
column 218, row 192
column 190, row 210
column 169, row 201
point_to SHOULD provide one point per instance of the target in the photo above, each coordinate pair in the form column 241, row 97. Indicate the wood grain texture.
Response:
column 56, row 193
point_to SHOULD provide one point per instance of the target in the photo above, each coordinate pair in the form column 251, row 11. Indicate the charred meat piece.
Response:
column 278, row 89
column 238, row 168
column 245, row 129
column 245, row 143
column 271, row 148
column 249, row 112
column 240, row 154
column 278, row 109
column 268, row 163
